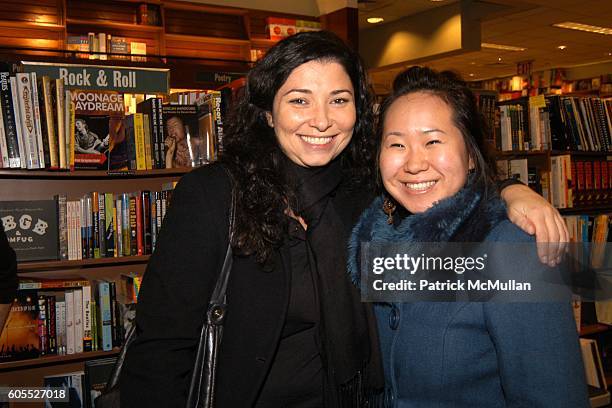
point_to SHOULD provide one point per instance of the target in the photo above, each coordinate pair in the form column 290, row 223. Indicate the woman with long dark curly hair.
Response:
column 300, row 149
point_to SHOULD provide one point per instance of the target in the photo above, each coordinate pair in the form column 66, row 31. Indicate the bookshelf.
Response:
column 561, row 146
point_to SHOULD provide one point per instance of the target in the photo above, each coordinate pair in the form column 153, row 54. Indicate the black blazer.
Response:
column 177, row 286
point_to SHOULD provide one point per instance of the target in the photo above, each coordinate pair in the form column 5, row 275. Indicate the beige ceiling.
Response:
column 528, row 25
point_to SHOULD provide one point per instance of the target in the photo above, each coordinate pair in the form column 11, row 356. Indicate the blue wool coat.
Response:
column 471, row 354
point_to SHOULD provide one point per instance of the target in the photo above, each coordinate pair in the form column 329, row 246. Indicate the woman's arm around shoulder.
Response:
column 176, row 289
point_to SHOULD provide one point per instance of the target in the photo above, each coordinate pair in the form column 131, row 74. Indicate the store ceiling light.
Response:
column 502, row 47
column 570, row 25
column 562, row 47
column 375, row 20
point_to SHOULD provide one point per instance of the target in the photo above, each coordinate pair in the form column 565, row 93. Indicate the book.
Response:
column 105, row 318
column 60, row 100
column 31, row 228
column 8, row 119
column 43, row 143
column 19, row 338
column 72, row 383
column 137, row 49
column 97, row 373
column 78, row 43
column 183, row 144
column 51, row 131
column 96, row 116
column 23, row 96
column 70, row 324
column 78, row 319
column 119, row 47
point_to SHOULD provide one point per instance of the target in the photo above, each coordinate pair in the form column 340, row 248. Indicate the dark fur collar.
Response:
column 467, row 217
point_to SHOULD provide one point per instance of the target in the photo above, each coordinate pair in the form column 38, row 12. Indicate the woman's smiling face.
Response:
column 423, row 157
column 313, row 114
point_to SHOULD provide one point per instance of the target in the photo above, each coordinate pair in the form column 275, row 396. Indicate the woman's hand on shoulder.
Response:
column 534, row 215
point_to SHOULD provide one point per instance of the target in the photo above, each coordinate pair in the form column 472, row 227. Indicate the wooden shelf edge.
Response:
column 125, row 26
column 577, row 210
column 593, row 329
column 91, row 174
column 49, row 360
column 24, row 24
column 216, row 40
column 55, row 265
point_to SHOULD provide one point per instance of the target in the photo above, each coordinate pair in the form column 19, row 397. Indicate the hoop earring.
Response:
column 388, row 208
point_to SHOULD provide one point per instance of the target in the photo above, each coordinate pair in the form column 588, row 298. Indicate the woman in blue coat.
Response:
column 439, row 188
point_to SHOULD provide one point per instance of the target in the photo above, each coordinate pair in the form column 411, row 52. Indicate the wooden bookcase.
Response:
column 192, row 36
column 33, row 185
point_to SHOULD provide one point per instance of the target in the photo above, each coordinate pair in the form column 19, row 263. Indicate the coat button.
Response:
column 394, row 318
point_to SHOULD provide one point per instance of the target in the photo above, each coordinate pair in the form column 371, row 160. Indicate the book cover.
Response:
column 31, row 228
column 19, row 339
column 109, row 235
column 60, row 105
column 97, row 114
column 137, row 49
column 149, row 109
column 43, row 325
column 184, row 146
column 72, row 383
column 97, row 373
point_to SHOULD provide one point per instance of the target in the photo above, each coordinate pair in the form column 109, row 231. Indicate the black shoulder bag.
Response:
column 202, row 386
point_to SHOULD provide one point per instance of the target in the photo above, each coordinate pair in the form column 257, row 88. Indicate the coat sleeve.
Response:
column 537, row 346
column 538, row 354
column 175, row 291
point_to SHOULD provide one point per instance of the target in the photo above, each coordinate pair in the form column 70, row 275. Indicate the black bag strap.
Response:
column 218, row 294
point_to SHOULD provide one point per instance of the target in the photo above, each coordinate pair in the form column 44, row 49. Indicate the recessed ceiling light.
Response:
column 472, row 63
column 584, row 27
column 502, row 47
column 499, row 59
column 375, row 20
column 471, row 75
column 610, row 54
column 436, row 1
column 562, row 47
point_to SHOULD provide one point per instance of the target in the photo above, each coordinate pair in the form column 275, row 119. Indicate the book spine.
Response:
column 109, row 206
column 4, row 153
column 26, row 113
column 78, row 320
column 102, row 224
column 133, row 225
column 43, row 147
column 105, row 313
column 153, row 219
column 94, row 323
column 139, row 225
column 49, row 117
column 60, row 100
column 146, row 119
column 118, row 218
column 116, row 323
column 60, row 313
column 70, row 129
column 70, row 341
column 145, row 198
column 161, row 132
column 52, row 319
column 156, row 137
column 62, row 225
column 8, row 118
column 95, row 222
column 139, row 142
column 87, row 317
column 42, row 326
column 23, row 145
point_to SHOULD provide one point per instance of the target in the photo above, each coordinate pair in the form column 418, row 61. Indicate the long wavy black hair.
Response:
column 451, row 89
column 251, row 151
